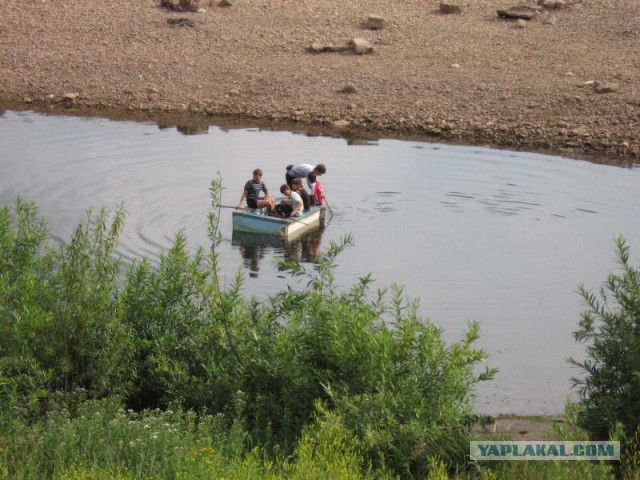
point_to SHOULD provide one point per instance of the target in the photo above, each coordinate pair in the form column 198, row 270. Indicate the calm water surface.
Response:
column 499, row 237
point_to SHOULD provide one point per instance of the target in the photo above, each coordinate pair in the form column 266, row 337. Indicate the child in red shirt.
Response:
column 315, row 187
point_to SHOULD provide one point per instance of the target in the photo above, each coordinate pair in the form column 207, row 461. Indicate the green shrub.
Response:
column 26, row 263
column 387, row 371
column 610, row 328
column 173, row 337
column 60, row 330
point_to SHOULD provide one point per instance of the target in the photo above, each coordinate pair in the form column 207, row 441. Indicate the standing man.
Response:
column 302, row 170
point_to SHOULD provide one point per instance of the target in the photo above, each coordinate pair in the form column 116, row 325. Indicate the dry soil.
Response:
column 469, row 78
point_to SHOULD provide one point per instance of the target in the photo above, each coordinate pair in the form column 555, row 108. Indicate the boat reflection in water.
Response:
column 254, row 247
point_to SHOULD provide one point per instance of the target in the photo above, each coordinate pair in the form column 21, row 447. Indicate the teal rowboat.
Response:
column 256, row 221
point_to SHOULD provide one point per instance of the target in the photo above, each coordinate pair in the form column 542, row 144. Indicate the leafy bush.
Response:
column 74, row 327
column 25, row 264
column 610, row 328
column 387, row 371
column 59, row 323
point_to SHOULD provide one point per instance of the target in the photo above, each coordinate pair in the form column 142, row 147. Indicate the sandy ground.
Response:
column 468, row 78
column 519, row 428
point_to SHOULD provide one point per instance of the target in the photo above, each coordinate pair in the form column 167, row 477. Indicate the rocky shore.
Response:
column 554, row 75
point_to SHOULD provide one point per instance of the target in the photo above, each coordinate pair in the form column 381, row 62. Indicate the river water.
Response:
column 476, row 234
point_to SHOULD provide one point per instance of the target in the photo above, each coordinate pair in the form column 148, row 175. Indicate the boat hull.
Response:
column 284, row 228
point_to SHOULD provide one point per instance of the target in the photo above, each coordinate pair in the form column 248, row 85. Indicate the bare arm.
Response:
column 244, row 195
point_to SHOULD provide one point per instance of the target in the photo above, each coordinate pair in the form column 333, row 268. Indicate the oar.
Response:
column 231, row 206
column 330, row 211
column 241, row 208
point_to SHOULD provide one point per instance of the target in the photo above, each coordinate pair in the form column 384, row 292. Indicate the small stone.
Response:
column 455, row 65
column 375, row 22
column 450, row 7
column 315, row 47
column 520, row 23
column 336, row 48
column 71, row 96
column 348, row 88
column 606, row 87
column 579, row 132
column 341, row 123
column 225, row 3
column 524, row 12
column 361, row 46
column 553, row 3
column 180, row 22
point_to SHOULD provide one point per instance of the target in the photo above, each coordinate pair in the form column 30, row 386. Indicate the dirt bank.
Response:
column 471, row 77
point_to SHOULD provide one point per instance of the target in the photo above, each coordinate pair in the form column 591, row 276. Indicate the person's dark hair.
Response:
column 289, row 167
column 311, row 177
column 257, row 171
column 320, row 168
column 284, row 187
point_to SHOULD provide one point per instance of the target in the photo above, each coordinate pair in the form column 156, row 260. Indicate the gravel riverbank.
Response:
column 566, row 81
